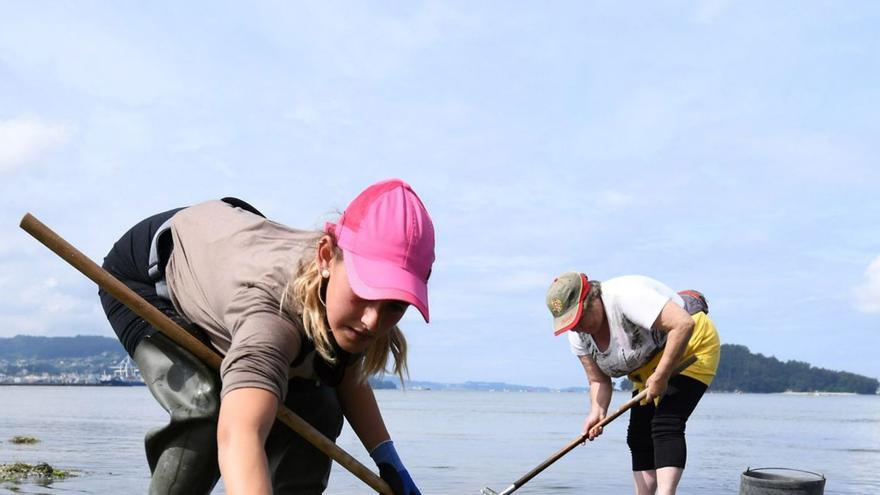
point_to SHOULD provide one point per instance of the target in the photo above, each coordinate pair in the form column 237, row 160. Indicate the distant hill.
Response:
column 379, row 384
column 81, row 346
column 740, row 370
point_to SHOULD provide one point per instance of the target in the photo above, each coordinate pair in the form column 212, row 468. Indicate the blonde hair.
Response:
column 306, row 289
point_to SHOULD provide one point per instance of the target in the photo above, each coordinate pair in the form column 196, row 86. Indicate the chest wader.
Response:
column 182, row 455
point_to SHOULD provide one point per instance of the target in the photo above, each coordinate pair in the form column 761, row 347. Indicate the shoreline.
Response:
column 124, row 384
column 816, row 393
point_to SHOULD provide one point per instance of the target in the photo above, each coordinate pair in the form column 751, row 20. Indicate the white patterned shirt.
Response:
column 632, row 305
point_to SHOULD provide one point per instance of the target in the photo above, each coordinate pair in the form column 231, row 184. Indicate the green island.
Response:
column 742, row 371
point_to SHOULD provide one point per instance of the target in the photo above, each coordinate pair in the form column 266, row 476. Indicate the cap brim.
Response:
column 374, row 280
column 568, row 320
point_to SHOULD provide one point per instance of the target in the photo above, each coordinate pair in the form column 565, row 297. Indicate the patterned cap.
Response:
column 565, row 300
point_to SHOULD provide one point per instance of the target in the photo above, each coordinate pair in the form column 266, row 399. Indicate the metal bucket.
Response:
column 781, row 481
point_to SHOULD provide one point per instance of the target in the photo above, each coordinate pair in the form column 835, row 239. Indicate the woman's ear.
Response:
column 325, row 251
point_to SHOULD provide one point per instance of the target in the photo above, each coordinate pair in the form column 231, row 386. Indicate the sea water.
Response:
column 460, row 442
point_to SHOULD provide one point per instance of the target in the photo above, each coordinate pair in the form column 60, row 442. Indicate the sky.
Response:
column 729, row 147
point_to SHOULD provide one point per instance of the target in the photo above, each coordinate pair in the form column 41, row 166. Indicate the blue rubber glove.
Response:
column 392, row 471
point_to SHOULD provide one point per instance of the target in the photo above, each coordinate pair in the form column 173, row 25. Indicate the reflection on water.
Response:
column 460, row 442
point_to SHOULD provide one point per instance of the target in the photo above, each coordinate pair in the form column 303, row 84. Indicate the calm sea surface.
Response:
column 459, row 442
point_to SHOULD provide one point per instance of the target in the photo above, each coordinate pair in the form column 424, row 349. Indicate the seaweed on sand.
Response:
column 21, row 471
column 23, row 440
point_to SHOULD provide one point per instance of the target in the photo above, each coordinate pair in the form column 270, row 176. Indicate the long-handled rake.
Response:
column 168, row 327
column 581, row 439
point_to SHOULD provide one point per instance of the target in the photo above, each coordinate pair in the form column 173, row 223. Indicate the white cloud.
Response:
column 812, row 154
column 867, row 294
column 615, row 199
column 24, row 140
column 361, row 43
column 49, row 298
column 44, row 303
column 711, row 11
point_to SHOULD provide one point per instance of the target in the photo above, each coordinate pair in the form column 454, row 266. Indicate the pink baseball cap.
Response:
column 387, row 239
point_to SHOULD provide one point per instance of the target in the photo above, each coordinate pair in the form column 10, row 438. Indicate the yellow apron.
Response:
column 704, row 343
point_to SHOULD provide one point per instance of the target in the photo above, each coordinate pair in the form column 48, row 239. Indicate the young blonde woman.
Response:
column 301, row 317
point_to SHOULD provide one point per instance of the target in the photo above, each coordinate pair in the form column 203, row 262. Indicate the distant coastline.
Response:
column 100, row 361
column 511, row 389
column 131, row 384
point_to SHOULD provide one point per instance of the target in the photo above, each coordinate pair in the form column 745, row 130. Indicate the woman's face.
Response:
column 356, row 322
column 592, row 317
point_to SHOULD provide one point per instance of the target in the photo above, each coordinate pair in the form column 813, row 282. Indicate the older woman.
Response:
column 639, row 327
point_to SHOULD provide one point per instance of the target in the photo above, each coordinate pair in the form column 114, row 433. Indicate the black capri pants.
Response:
column 656, row 433
column 128, row 261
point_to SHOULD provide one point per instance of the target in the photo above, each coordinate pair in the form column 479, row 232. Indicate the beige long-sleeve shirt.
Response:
column 227, row 273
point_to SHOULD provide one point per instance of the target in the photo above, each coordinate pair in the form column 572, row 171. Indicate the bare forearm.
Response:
column 679, row 326
column 676, row 344
column 600, row 386
column 600, row 395
column 360, row 409
column 246, row 416
column 243, row 465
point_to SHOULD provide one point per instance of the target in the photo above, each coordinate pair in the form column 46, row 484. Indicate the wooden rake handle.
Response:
column 581, row 439
column 180, row 336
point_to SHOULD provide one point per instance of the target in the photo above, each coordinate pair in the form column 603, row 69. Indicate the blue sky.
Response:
column 724, row 146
